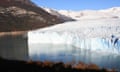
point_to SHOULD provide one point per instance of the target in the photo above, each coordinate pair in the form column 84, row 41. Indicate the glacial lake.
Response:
column 68, row 53
column 17, row 47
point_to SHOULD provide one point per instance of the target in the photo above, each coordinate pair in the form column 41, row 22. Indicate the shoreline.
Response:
column 32, row 66
column 13, row 33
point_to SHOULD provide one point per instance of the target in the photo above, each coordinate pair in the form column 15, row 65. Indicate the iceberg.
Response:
column 97, row 35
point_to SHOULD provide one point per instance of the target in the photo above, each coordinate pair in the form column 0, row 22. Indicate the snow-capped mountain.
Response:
column 59, row 15
column 86, row 14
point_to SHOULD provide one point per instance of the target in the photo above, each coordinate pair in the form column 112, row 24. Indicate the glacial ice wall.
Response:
column 96, row 35
column 111, row 44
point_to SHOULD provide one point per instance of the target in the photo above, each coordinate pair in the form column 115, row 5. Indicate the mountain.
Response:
column 22, row 15
column 59, row 15
column 92, row 14
column 86, row 14
column 7, row 3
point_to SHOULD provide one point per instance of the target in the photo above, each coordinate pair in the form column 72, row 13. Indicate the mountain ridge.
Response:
column 23, row 15
column 88, row 14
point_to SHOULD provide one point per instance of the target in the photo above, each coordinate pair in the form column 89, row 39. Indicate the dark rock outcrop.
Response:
column 22, row 15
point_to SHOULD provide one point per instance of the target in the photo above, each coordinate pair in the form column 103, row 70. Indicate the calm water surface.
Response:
column 68, row 53
column 17, row 47
column 14, row 47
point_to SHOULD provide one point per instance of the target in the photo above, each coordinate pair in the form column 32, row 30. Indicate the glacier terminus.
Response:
column 101, row 35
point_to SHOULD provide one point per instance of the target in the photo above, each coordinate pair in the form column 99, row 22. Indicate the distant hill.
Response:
column 23, row 15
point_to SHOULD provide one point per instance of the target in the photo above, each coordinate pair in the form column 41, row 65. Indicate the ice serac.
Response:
column 94, row 34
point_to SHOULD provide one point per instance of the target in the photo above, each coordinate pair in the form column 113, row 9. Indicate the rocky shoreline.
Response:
column 31, row 66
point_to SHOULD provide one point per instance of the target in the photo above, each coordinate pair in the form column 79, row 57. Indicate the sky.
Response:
column 77, row 5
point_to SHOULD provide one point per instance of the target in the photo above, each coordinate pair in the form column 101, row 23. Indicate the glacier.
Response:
column 102, row 35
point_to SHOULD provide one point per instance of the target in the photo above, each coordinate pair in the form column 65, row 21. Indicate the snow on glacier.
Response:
column 93, row 34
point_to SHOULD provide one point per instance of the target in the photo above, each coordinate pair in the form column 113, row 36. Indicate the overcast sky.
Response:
column 78, row 4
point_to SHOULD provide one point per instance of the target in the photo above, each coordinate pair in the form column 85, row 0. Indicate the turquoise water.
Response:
column 69, row 53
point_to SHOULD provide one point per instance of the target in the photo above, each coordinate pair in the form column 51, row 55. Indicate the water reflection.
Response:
column 14, row 47
column 68, row 53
